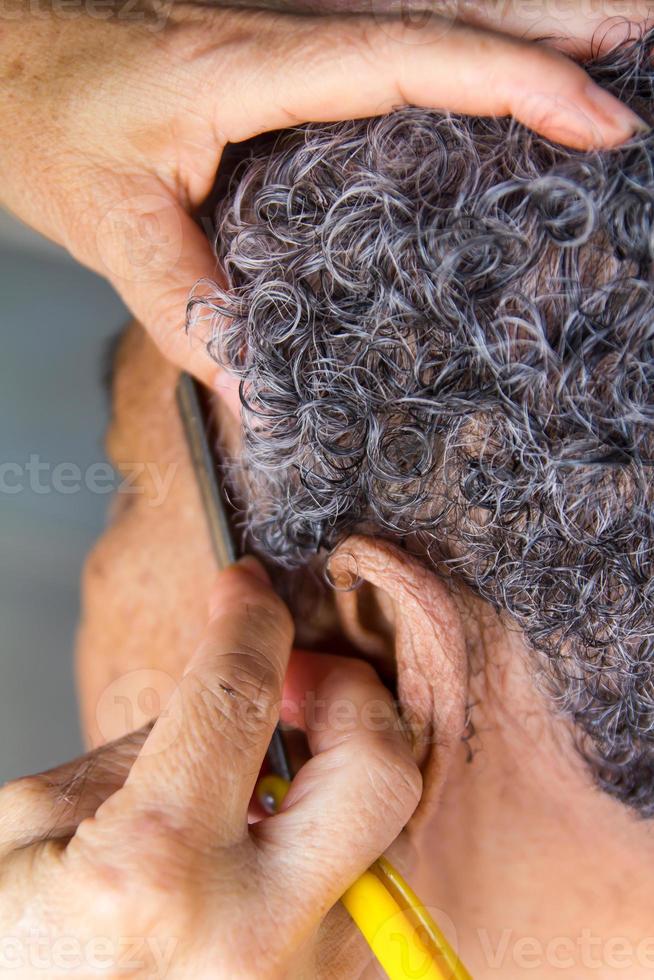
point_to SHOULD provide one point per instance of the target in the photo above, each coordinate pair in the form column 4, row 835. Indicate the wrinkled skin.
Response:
column 148, row 575
column 124, row 148
column 509, row 848
column 149, row 837
column 135, row 107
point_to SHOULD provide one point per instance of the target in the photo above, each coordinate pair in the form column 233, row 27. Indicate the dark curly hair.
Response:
column 444, row 328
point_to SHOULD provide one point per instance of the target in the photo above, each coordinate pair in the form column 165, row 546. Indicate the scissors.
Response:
column 401, row 933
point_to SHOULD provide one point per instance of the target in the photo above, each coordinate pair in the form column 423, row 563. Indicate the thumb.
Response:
column 153, row 252
column 52, row 804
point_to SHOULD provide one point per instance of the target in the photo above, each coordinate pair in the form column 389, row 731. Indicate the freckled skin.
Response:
column 155, row 561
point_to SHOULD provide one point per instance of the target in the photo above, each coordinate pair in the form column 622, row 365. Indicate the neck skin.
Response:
column 530, row 867
column 540, row 871
column 528, row 864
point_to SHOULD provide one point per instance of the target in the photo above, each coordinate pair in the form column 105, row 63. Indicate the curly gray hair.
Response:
column 444, row 329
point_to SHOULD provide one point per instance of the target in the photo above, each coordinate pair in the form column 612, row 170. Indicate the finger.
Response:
column 153, row 253
column 52, row 804
column 203, row 756
column 352, row 799
column 322, row 69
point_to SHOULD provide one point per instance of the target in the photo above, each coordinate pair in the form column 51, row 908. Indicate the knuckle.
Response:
column 367, row 43
column 387, row 44
column 236, row 692
column 242, row 677
column 146, row 881
column 343, row 44
column 243, row 672
column 254, row 673
column 112, row 899
column 396, row 778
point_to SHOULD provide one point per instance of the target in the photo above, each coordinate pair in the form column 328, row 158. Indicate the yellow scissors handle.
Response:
column 396, row 925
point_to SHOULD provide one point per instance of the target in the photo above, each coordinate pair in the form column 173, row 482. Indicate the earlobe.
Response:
column 420, row 619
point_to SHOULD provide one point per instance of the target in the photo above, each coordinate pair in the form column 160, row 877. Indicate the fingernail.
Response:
column 253, row 567
column 614, row 116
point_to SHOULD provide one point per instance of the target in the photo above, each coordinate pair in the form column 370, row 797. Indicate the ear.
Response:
column 405, row 608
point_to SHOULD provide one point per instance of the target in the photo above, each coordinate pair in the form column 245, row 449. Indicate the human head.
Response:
column 512, row 833
column 444, row 330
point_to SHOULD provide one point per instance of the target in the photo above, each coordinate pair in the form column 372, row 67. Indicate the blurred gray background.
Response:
column 56, row 319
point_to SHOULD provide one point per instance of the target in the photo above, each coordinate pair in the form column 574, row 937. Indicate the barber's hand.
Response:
column 111, row 129
column 141, row 851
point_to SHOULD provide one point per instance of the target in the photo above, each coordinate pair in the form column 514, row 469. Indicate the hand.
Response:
column 111, row 130
column 142, row 849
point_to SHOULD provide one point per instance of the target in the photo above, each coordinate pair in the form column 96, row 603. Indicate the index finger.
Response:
column 317, row 69
column 222, row 715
